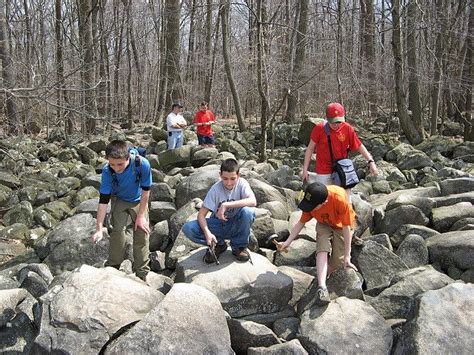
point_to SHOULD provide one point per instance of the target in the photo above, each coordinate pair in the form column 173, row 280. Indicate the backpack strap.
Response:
column 328, row 134
column 138, row 167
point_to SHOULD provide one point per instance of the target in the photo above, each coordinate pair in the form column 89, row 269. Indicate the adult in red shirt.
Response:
column 343, row 139
column 336, row 218
column 203, row 120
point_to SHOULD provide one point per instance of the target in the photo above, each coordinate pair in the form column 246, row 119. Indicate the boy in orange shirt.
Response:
column 330, row 207
column 203, row 120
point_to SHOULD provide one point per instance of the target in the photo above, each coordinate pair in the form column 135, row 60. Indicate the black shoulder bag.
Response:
column 344, row 173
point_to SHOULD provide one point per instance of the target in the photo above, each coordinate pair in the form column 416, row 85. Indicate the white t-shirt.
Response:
column 218, row 194
column 173, row 119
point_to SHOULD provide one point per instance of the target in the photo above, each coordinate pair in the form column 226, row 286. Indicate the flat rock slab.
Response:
column 243, row 288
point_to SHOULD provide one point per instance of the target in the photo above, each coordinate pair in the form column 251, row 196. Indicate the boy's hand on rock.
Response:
column 96, row 237
column 281, row 247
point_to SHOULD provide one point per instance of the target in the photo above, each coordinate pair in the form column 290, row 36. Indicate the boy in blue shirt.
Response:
column 126, row 180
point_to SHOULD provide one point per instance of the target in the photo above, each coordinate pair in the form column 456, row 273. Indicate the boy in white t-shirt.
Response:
column 231, row 201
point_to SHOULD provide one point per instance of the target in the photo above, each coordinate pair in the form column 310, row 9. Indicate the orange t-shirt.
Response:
column 202, row 117
column 337, row 212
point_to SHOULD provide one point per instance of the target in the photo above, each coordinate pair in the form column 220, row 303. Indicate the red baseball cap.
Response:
column 335, row 112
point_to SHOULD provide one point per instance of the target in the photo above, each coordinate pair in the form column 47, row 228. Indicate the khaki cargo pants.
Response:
column 119, row 218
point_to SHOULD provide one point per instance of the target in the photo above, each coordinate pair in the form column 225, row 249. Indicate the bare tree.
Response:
column 224, row 9
column 405, row 122
column 468, row 80
column 441, row 10
column 262, row 81
column 368, row 50
column 299, row 61
column 414, row 101
column 7, row 74
column 87, row 57
column 174, row 88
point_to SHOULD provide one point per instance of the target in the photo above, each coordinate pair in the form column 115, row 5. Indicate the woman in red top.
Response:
column 343, row 138
column 203, row 120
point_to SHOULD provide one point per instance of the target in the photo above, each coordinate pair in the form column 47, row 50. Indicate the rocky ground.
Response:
column 413, row 292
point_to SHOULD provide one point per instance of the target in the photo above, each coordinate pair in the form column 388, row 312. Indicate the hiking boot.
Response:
column 218, row 250
column 322, row 296
column 241, row 254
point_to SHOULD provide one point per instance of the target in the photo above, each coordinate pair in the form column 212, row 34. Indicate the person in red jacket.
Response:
column 343, row 139
column 203, row 120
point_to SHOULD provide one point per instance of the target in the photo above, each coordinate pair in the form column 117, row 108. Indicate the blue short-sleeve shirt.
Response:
column 125, row 185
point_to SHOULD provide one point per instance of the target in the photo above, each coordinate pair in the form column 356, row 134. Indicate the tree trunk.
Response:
column 7, row 74
column 438, row 64
column 103, row 89
column 468, row 80
column 129, row 69
column 139, row 75
column 210, row 73
column 368, row 51
column 191, row 40
column 300, row 54
column 172, row 14
column 262, row 80
column 338, row 50
column 87, row 57
column 414, row 101
column 119, row 21
column 224, row 12
column 406, row 124
column 208, row 51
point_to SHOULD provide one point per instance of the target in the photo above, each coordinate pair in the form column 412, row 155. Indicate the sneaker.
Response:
column 241, row 254
column 218, row 250
column 322, row 296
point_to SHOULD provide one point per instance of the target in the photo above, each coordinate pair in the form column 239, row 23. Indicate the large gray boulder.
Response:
column 398, row 216
column 196, row 185
column 188, row 319
column 444, row 217
column 301, row 253
column 242, row 288
column 457, row 186
column 293, row 347
column 398, row 300
column 344, row 326
column 441, row 323
column 265, row 192
column 86, row 307
column 378, row 265
column 452, row 249
column 68, row 245
column 179, row 157
column 407, row 229
column 301, row 282
column 20, row 213
column 245, row 334
column 413, row 251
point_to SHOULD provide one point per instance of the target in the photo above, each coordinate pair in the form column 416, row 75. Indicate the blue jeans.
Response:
column 236, row 229
column 175, row 139
column 206, row 140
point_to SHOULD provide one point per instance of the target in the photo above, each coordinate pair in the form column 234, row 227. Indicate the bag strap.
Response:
column 328, row 134
column 138, row 170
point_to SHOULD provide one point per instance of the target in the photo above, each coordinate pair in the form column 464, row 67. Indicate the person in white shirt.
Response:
column 175, row 123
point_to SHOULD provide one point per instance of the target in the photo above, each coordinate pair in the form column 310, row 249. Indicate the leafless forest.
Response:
column 85, row 64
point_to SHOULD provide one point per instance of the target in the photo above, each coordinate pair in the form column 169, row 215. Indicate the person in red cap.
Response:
column 336, row 219
column 343, row 139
